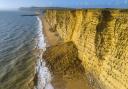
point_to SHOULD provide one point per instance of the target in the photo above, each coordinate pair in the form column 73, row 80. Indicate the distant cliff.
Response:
column 101, row 38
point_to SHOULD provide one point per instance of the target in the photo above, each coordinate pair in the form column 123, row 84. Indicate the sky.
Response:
column 87, row 3
column 11, row 4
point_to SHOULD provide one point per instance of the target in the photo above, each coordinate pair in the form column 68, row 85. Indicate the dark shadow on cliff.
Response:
column 100, row 30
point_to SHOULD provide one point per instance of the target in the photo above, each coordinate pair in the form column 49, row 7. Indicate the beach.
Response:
column 60, row 80
column 51, row 38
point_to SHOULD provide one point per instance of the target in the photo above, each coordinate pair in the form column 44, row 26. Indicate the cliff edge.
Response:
column 101, row 37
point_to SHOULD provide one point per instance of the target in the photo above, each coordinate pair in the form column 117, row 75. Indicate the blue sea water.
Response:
column 19, row 38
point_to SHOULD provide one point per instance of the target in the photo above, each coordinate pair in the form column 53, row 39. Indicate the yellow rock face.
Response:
column 101, row 37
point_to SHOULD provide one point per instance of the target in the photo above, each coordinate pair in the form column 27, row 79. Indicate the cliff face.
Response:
column 102, row 41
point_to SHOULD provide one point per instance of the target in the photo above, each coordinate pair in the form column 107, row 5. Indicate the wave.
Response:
column 43, row 74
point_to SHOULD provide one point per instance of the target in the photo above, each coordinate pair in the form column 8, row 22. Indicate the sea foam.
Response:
column 43, row 74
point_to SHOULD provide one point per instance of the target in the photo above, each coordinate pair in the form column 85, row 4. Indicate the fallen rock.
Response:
column 63, row 59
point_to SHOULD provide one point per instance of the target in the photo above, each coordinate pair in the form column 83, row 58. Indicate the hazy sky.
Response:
column 10, row 4
column 6, row 4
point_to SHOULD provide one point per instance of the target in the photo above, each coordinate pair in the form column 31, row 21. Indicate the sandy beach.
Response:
column 59, row 81
column 51, row 38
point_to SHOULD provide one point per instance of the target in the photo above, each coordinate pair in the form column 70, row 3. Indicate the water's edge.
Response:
column 42, row 72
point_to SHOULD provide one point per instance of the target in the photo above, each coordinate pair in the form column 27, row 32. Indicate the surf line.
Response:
column 42, row 72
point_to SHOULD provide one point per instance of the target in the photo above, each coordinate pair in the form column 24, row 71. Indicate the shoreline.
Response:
column 61, row 81
column 50, row 38
column 42, row 74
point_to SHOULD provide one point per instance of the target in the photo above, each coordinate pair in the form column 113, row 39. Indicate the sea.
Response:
column 21, row 46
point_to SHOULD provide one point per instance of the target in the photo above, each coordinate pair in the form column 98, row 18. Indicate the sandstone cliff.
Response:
column 101, row 38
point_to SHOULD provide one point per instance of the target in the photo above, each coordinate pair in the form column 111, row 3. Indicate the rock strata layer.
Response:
column 101, row 37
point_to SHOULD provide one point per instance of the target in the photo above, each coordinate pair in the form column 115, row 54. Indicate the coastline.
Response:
column 60, row 81
column 50, row 38
column 42, row 74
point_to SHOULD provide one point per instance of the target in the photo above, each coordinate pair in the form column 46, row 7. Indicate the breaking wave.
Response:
column 43, row 74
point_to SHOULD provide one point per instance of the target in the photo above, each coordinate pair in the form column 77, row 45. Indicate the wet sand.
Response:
column 59, row 81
